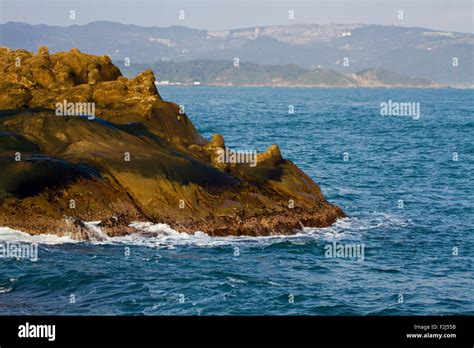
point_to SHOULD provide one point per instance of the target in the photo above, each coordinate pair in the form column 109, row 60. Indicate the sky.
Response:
column 447, row 15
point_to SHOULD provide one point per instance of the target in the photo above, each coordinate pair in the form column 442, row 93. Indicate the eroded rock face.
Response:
column 137, row 159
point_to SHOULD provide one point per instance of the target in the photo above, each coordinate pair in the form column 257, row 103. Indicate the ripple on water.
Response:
column 408, row 250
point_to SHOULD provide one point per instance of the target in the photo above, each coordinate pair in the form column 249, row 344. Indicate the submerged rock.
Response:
column 137, row 158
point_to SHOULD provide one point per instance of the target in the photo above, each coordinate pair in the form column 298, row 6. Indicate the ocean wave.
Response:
column 5, row 288
column 8, row 234
column 361, row 222
column 163, row 236
column 237, row 281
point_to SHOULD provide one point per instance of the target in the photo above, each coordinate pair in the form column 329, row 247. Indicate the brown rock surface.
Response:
column 137, row 159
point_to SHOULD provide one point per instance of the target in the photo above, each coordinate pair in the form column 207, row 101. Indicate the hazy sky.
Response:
column 452, row 15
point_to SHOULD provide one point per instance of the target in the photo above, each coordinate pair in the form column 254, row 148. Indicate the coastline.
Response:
column 310, row 86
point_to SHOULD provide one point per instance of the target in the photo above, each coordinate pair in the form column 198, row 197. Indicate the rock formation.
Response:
column 136, row 158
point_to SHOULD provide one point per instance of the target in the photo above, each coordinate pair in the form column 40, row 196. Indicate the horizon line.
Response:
column 234, row 29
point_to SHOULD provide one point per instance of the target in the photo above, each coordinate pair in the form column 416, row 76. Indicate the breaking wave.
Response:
column 163, row 236
column 8, row 234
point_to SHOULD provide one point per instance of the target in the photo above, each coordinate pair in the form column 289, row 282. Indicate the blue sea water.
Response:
column 410, row 264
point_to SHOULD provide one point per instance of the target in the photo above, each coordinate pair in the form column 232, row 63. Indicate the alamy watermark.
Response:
column 228, row 156
column 66, row 108
column 394, row 108
column 348, row 251
column 28, row 330
column 19, row 251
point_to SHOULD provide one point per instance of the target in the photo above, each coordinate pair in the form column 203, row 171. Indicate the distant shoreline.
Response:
column 315, row 86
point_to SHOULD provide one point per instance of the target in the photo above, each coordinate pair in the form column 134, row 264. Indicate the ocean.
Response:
column 405, row 182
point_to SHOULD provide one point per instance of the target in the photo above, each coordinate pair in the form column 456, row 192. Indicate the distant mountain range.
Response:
column 425, row 53
column 224, row 73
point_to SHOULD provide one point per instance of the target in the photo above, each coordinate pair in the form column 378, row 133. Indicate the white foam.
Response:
column 95, row 233
column 163, row 236
column 8, row 234
column 9, row 287
column 235, row 280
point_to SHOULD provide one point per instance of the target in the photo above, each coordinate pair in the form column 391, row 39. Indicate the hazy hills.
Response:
column 224, row 73
column 410, row 51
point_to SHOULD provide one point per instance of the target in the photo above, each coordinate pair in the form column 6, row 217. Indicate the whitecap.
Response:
column 9, row 287
column 8, row 234
column 4, row 290
column 163, row 236
column 235, row 280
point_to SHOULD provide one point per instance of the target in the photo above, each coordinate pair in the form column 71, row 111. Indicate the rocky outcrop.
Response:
column 136, row 157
